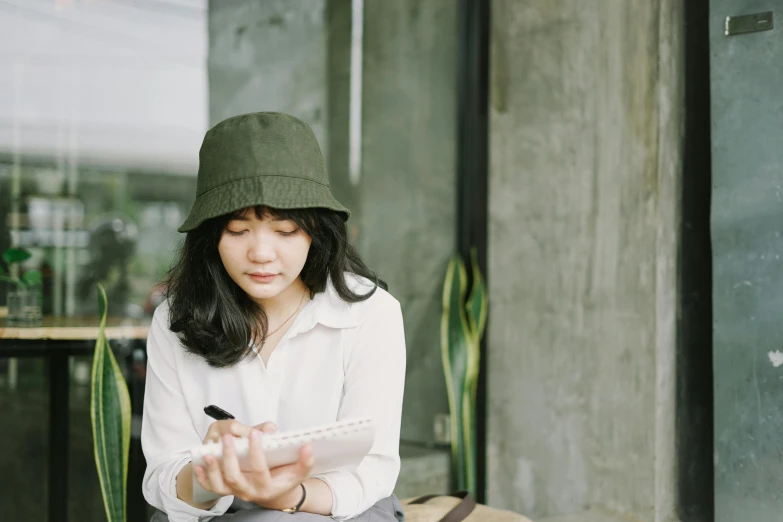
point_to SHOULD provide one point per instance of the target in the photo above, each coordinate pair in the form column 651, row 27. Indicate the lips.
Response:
column 263, row 278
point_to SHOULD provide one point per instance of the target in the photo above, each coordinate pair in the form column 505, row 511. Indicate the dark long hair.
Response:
column 216, row 319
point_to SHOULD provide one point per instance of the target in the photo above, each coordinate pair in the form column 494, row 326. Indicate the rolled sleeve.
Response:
column 176, row 509
column 167, row 432
column 374, row 382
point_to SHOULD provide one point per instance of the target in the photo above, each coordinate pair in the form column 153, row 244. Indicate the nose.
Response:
column 261, row 251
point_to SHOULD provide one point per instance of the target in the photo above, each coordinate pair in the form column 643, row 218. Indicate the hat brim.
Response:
column 283, row 192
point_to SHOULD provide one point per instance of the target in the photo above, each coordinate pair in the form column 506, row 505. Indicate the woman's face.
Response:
column 263, row 255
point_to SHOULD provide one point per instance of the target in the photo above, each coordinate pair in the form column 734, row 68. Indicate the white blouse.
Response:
column 338, row 361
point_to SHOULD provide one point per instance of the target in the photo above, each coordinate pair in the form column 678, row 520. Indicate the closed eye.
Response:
column 235, row 233
column 288, row 233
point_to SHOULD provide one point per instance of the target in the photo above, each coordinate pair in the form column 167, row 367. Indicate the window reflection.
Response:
column 103, row 105
column 120, row 227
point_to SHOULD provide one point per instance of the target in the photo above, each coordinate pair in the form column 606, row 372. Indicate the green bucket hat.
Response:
column 262, row 158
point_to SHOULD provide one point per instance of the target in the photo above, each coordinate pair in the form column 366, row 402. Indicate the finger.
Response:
column 212, row 433
column 306, row 459
column 219, row 428
column 215, row 430
column 215, row 475
column 237, row 429
column 298, row 471
column 258, row 462
column 232, row 475
column 201, row 478
column 267, row 427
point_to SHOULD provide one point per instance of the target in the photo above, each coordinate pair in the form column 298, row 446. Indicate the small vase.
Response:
column 24, row 306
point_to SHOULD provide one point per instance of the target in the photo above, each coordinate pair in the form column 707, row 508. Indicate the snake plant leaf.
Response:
column 110, row 411
column 476, row 314
column 477, row 305
column 455, row 335
column 15, row 255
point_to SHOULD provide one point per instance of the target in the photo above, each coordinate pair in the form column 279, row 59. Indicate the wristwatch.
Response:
column 297, row 507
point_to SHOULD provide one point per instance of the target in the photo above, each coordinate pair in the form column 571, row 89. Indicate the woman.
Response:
column 272, row 316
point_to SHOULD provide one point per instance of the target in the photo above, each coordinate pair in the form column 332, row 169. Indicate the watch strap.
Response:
column 297, row 507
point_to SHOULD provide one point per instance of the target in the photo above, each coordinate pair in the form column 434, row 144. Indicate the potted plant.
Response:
column 24, row 293
column 462, row 327
column 110, row 413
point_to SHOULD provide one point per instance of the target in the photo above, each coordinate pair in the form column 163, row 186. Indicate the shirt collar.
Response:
column 328, row 309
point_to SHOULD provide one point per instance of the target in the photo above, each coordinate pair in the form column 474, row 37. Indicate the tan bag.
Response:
column 456, row 507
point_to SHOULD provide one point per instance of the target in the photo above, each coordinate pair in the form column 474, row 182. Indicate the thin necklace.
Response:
column 273, row 332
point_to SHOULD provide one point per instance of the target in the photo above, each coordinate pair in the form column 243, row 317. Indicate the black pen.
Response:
column 217, row 413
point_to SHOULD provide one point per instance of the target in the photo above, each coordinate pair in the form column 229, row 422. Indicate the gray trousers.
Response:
column 385, row 510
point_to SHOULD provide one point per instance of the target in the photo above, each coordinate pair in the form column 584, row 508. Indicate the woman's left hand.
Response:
column 270, row 488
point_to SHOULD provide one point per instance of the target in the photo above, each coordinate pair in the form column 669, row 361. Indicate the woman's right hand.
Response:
column 232, row 427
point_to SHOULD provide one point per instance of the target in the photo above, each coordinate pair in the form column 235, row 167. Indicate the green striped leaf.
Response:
column 476, row 313
column 477, row 304
column 110, row 412
column 462, row 327
column 454, row 354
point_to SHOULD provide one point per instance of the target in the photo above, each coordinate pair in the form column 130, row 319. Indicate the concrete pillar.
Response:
column 586, row 129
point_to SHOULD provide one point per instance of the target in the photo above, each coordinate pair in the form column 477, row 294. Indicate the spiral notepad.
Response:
column 339, row 445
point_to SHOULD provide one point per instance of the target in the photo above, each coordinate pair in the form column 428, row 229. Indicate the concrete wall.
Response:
column 294, row 56
column 585, row 144
column 408, row 185
column 268, row 56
